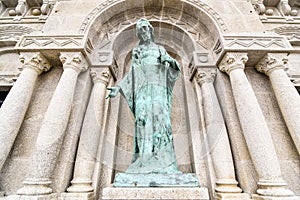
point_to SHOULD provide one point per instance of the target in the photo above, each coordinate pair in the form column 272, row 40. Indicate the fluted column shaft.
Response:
column 53, row 128
column 90, row 134
column 217, row 135
column 286, row 94
column 255, row 129
column 16, row 103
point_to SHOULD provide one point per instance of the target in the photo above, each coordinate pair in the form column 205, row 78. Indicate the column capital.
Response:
column 100, row 75
column 73, row 60
column 205, row 75
column 271, row 62
column 232, row 61
column 34, row 61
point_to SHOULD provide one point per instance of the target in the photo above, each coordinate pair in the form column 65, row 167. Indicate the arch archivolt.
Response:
column 199, row 21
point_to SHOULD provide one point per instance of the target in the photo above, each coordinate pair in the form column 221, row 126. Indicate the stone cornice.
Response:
column 232, row 61
column 271, row 62
column 35, row 61
column 73, row 60
column 205, row 75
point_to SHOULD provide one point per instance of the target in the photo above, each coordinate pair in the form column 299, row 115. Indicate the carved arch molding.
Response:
column 185, row 25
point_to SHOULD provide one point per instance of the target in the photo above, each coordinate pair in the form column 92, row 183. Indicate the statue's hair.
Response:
column 142, row 22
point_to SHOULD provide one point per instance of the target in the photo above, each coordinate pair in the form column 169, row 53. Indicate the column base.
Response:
column 273, row 189
column 155, row 193
column 52, row 196
column 227, row 186
column 259, row 197
column 35, row 187
column 78, row 196
column 241, row 196
column 81, row 187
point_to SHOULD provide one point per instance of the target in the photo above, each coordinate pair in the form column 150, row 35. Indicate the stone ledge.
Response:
column 259, row 197
column 78, row 196
column 155, row 193
column 232, row 196
column 52, row 196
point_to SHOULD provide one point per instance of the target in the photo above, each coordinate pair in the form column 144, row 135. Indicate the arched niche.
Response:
column 202, row 26
column 182, row 27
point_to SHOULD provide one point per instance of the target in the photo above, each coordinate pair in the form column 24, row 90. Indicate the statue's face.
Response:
column 144, row 32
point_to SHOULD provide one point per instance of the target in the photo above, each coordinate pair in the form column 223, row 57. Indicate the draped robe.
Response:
column 147, row 89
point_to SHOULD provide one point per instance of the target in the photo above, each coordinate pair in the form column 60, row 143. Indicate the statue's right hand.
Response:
column 113, row 92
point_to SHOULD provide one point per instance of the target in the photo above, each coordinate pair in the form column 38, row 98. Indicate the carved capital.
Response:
column 233, row 61
column 100, row 75
column 73, row 60
column 205, row 76
column 35, row 61
column 271, row 62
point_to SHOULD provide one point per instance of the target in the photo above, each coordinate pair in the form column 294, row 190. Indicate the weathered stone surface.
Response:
column 203, row 30
column 156, row 193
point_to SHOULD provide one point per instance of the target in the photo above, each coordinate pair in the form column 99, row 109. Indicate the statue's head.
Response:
column 144, row 31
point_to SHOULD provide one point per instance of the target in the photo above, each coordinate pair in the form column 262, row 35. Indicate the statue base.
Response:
column 155, row 180
column 194, row 193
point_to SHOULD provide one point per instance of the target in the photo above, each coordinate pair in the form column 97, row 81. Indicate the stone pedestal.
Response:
column 37, row 197
column 228, row 196
column 156, row 180
column 258, row 197
column 78, row 196
column 155, row 193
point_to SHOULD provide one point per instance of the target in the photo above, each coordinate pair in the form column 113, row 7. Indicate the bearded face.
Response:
column 145, row 34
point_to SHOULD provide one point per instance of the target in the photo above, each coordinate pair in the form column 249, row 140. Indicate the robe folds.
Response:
column 147, row 89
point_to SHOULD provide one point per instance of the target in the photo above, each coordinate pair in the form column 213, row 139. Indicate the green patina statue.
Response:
column 147, row 89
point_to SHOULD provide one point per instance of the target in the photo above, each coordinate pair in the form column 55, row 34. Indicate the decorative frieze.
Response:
column 291, row 32
column 256, row 42
column 51, row 42
column 13, row 32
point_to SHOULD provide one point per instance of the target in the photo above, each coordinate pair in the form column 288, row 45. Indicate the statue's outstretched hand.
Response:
column 113, row 92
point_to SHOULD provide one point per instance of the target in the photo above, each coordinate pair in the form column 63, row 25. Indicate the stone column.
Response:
column 255, row 129
column 219, row 147
column 16, row 103
column 287, row 96
column 53, row 127
column 90, row 136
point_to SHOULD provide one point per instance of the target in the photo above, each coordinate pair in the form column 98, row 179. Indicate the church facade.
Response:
column 236, row 105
